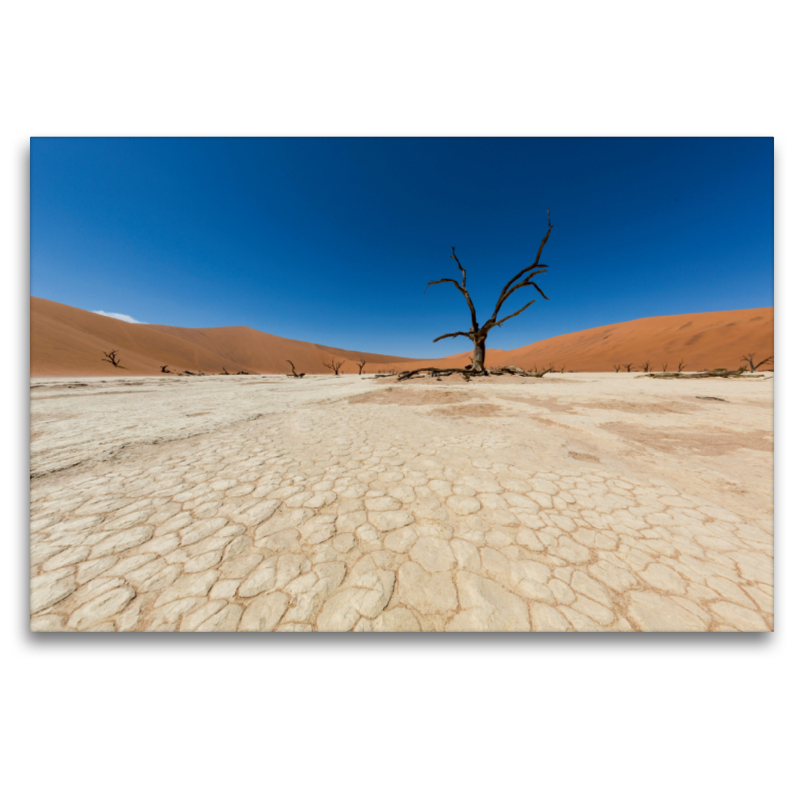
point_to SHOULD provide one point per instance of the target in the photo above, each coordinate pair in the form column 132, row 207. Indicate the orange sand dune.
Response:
column 703, row 341
column 69, row 342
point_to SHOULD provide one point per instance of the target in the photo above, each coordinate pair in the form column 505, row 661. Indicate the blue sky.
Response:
column 334, row 240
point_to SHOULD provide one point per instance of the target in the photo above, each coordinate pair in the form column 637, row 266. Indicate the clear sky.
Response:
column 334, row 240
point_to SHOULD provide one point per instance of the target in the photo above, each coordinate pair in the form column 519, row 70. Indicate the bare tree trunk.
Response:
column 479, row 355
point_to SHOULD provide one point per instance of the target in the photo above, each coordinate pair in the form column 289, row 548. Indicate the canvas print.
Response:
column 401, row 385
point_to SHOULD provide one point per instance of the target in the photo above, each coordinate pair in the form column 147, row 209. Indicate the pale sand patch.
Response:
column 571, row 502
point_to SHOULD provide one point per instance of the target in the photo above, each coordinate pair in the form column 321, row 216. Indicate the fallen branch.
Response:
column 713, row 373
column 467, row 373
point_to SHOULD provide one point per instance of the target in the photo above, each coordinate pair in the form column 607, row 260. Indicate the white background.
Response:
column 651, row 716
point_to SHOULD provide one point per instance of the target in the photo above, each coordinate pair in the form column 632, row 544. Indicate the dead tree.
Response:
column 617, row 367
column 295, row 374
column 361, row 365
column 335, row 365
column 748, row 359
column 663, row 366
column 627, row 367
column 477, row 333
column 111, row 357
column 224, row 372
column 165, row 370
column 681, row 366
column 646, row 366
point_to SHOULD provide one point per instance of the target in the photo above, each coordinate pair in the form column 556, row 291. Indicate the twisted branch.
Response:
column 505, row 319
column 528, row 273
column 462, row 287
column 453, row 335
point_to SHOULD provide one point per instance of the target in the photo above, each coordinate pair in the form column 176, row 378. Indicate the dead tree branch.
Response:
column 713, row 373
column 467, row 373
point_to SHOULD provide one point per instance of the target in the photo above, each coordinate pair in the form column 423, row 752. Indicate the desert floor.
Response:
column 575, row 502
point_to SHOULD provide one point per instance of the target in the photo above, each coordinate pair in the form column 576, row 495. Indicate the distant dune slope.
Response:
column 704, row 341
column 70, row 342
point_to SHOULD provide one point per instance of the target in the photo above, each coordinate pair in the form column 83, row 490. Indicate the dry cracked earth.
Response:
column 571, row 503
